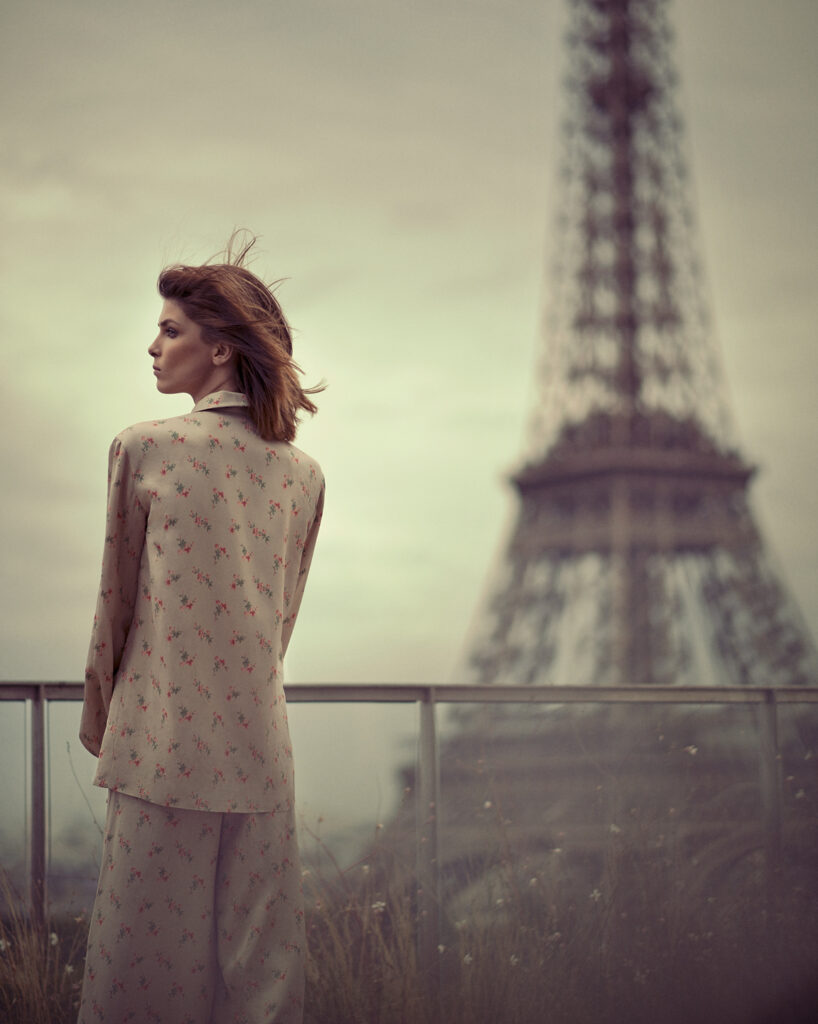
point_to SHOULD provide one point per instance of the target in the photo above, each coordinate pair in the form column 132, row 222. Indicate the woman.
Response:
column 212, row 521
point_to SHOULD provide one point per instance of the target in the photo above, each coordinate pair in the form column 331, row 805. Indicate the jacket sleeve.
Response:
column 303, row 571
column 124, row 539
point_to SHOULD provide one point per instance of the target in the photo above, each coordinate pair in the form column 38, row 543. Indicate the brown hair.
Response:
column 230, row 303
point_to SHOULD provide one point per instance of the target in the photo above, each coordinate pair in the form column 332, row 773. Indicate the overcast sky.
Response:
column 398, row 161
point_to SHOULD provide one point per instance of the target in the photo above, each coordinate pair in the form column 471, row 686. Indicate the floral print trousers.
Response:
column 198, row 919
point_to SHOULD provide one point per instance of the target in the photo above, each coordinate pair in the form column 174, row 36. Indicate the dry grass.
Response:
column 525, row 943
column 40, row 967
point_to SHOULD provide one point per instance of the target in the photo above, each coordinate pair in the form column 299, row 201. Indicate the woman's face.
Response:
column 183, row 361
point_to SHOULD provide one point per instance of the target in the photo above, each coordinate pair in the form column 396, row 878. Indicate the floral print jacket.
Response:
column 209, row 538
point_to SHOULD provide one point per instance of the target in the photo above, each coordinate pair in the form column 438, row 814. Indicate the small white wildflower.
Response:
column 800, row 794
column 379, row 826
column 460, row 925
column 468, row 958
column 52, row 939
column 532, row 882
column 441, row 949
column 379, row 906
column 499, row 901
column 595, row 895
column 557, row 849
column 305, row 873
column 514, row 960
column 692, row 750
column 487, row 805
column 69, row 969
column 4, row 945
column 614, row 828
column 365, row 868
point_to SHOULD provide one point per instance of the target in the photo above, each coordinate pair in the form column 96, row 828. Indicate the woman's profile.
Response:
column 211, row 526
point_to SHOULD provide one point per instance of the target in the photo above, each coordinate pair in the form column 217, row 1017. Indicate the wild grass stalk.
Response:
column 40, row 966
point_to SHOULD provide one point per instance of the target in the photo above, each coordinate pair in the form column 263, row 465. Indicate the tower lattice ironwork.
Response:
column 635, row 557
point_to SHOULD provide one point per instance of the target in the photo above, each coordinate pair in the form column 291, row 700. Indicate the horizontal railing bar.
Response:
column 459, row 693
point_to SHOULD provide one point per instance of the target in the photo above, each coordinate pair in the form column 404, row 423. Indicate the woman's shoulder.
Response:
column 142, row 437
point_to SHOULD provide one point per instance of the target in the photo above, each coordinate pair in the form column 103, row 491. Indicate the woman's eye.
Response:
column 171, row 332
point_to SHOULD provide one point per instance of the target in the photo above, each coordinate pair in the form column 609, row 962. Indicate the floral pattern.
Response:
column 181, row 892
column 209, row 538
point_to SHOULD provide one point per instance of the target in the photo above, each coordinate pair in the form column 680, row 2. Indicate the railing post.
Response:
column 38, row 808
column 428, row 863
column 770, row 773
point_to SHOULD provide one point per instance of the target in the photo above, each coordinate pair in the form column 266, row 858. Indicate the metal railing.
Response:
column 427, row 787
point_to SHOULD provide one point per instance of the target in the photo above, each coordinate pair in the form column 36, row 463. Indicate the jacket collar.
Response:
column 220, row 399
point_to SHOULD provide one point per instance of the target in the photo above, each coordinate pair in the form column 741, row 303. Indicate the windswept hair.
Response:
column 230, row 303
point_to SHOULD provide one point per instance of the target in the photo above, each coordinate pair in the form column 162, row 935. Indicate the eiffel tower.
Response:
column 635, row 557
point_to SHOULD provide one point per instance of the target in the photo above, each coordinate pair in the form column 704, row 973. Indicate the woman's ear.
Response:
column 221, row 353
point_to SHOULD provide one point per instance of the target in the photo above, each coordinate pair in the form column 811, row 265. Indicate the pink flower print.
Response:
column 255, row 478
column 202, row 690
column 219, row 608
column 259, row 534
column 141, row 703
column 200, row 521
column 219, row 552
column 197, row 883
column 171, row 578
column 246, row 665
column 237, row 638
column 213, row 443
column 218, row 496
column 185, row 658
column 203, row 634
column 185, row 714
column 147, row 444
column 273, row 508
column 152, row 741
column 219, row 663
column 134, row 758
column 234, row 526
column 202, row 747
column 183, row 545
column 271, row 454
column 154, row 851
column 238, row 445
column 237, row 582
column 217, row 720
column 181, row 489
column 232, row 693
column 159, row 549
column 294, row 508
column 243, row 720
column 147, row 650
column 186, row 602
column 167, row 467
column 230, row 749
column 203, row 577
column 169, row 522
column 245, row 553
column 159, row 771
column 241, row 499
column 230, row 473
column 174, row 634
column 177, row 438
column 249, row 609
column 199, row 465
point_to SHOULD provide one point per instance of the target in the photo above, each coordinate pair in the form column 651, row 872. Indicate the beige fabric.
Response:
column 197, row 919
column 209, row 538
